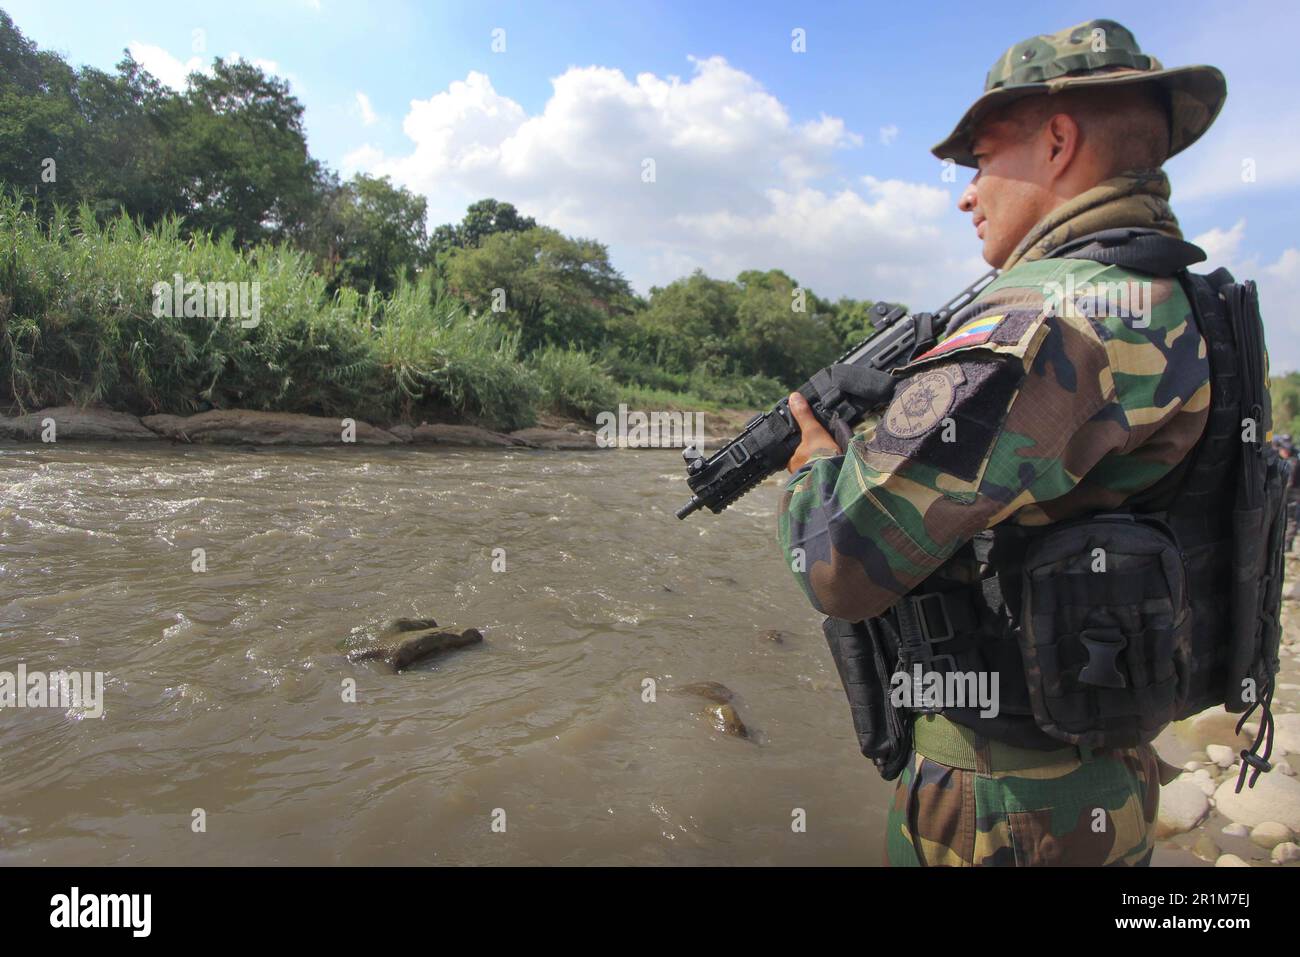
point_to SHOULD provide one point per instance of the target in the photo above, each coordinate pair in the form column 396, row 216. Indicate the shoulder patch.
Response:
column 1007, row 331
column 945, row 418
column 922, row 401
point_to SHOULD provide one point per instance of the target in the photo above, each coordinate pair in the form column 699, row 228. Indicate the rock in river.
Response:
column 725, row 719
column 719, row 711
column 418, row 648
column 709, row 690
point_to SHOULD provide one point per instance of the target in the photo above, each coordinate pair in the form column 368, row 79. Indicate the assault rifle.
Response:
column 841, row 395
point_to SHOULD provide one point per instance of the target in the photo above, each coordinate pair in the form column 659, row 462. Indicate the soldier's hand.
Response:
column 814, row 437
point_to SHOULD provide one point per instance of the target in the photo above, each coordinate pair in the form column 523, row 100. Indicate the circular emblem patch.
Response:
column 922, row 403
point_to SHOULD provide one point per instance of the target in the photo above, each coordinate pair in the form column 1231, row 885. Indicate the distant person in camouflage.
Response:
column 1286, row 448
column 1037, row 408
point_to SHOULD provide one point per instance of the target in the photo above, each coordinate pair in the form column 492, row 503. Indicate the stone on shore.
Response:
column 1285, row 853
column 1274, row 798
column 1230, row 860
column 465, row 435
column 1182, row 807
column 1202, row 779
column 245, row 426
column 1206, row 849
column 1270, row 834
column 556, row 439
column 1286, row 732
column 72, row 423
column 1222, row 755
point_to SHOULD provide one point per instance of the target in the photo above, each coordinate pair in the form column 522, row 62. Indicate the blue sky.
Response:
column 815, row 162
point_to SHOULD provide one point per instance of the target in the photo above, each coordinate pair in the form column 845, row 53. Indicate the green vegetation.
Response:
column 112, row 183
column 1285, row 393
column 77, row 324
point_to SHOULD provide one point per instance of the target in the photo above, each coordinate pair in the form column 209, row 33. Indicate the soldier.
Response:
column 1286, row 448
column 1070, row 388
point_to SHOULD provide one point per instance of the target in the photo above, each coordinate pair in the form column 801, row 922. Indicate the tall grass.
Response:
column 77, row 326
column 573, row 383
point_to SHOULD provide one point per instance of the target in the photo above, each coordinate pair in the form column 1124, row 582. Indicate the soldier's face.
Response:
column 1007, row 195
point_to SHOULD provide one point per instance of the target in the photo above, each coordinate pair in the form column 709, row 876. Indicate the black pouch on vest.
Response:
column 866, row 659
column 1105, row 630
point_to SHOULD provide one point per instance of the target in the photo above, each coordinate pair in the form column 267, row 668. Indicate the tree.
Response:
column 482, row 219
column 369, row 233
column 690, row 323
column 549, row 288
column 782, row 331
column 237, row 145
column 851, row 320
column 39, row 120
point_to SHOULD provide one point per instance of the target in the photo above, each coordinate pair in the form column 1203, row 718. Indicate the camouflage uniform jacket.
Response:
column 1023, row 413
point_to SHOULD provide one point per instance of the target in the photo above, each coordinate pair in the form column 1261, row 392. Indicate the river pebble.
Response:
column 1286, row 853
column 1273, row 798
column 1270, row 834
column 1182, row 806
column 1286, row 732
column 1220, row 754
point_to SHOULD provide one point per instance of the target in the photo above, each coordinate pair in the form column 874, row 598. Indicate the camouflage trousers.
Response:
column 1101, row 811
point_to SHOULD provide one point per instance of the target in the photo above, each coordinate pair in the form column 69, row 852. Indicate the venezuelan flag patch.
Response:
column 971, row 333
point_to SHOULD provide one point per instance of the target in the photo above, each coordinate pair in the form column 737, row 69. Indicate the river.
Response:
column 226, row 735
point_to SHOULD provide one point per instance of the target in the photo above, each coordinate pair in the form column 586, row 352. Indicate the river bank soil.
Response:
column 248, row 427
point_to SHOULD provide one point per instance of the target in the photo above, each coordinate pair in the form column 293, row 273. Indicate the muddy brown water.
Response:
column 224, row 688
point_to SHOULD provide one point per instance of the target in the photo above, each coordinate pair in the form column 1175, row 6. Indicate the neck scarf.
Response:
column 1133, row 198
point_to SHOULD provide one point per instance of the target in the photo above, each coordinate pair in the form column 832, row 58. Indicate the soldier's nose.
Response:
column 966, row 203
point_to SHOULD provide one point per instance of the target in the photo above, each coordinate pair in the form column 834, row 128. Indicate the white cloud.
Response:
column 737, row 182
column 1279, row 289
column 888, row 134
column 1222, row 245
column 168, row 69
column 1240, row 156
column 171, row 72
column 368, row 116
column 361, row 159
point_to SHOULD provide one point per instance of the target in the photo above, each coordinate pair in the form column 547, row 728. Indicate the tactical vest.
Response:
column 1105, row 628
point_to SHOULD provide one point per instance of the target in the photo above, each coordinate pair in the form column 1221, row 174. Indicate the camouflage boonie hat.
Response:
column 1095, row 53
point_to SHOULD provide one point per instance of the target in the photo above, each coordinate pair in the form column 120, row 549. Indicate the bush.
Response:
column 77, row 326
column 573, row 383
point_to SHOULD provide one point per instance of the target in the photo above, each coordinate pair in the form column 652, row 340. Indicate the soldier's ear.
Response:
column 1061, row 141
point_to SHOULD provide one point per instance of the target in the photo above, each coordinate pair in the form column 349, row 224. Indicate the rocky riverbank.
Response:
column 245, row 427
column 250, row 428
column 1202, row 818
